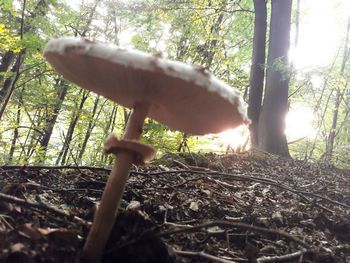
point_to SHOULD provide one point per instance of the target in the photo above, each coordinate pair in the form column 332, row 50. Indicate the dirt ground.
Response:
column 251, row 207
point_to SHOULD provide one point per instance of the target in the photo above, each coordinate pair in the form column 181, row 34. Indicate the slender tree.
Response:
column 15, row 132
column 271, row 126
column 95, row 115
column 338, row 98
column 108, row 129
column 62, row 157
column 10, row 84
column 61, row 87
column 257, row 71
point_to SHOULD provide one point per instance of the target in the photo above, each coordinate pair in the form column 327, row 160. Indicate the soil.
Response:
column 251, row 207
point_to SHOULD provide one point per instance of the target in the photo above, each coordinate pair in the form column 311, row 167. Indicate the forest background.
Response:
column 45, row 119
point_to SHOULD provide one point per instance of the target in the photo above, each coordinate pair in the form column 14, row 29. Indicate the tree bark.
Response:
column 331, row 136
column 271, row 126
column 28, row 137
column 91, row 126
column 338, row 99
column 111, row 123
column 15, row 132
column 6, row 63
column 108, row 130
column 126, row 117
column 10, row 84
column 210, row 52
column 61, row 87
column 68, row 137
column 296, row 37
column 257, row 72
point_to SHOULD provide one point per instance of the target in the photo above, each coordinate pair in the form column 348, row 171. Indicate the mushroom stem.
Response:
column 113, row 192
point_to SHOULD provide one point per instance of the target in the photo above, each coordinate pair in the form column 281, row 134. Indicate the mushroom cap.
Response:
column 185, row 97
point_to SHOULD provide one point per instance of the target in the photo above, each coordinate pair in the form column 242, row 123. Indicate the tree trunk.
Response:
column 183, row 146
column 61, row 87
column 126, row 117
column 338, row 99
column 271, row 127
column 332, row 132
column 28, row 137
column 6, row 63
column 111, row 123
column 35, row 138
column 68, row 137
column 296, row 37
column 257, row 72
column 89, row 129
column 109, row 129
column 210, row 52
column 10, row 84
column 15, row 133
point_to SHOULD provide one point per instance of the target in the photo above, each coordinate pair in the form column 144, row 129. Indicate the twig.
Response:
column 40, row 206
column 223, row 223
column 181, row 164
column 60, row 190
column 92, row 168
column 283, row 258
column 71, row 153
column 176, row 186
column 5, row 222
column 59, row 167
column 279, row 185
column 192, row 168
column 162, row 172
column 326, row 199
column 297, row 140
column 220, row 223
column 235, row 256
column 203, row 255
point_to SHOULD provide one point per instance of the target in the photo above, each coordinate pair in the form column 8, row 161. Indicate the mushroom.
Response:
column 185, row 97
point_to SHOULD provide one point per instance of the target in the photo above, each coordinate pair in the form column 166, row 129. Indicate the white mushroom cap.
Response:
column 184, row 97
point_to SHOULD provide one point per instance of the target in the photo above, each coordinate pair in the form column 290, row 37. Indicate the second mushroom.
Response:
column 185, row 97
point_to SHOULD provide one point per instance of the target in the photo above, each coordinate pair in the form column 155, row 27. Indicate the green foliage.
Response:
column 8, row 41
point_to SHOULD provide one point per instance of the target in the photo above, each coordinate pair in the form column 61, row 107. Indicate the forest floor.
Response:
column 251, row 207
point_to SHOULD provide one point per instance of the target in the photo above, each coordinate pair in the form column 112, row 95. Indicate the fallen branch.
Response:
column 283, row 258
column 219, row 223
column 203, row 255
column 60, row 190
column 40, row 206
column 282, row 187
column 222, row 223
column 48, row 167
column 279, row 185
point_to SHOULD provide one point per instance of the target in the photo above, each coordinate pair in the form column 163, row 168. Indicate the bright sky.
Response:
column 322, row 28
